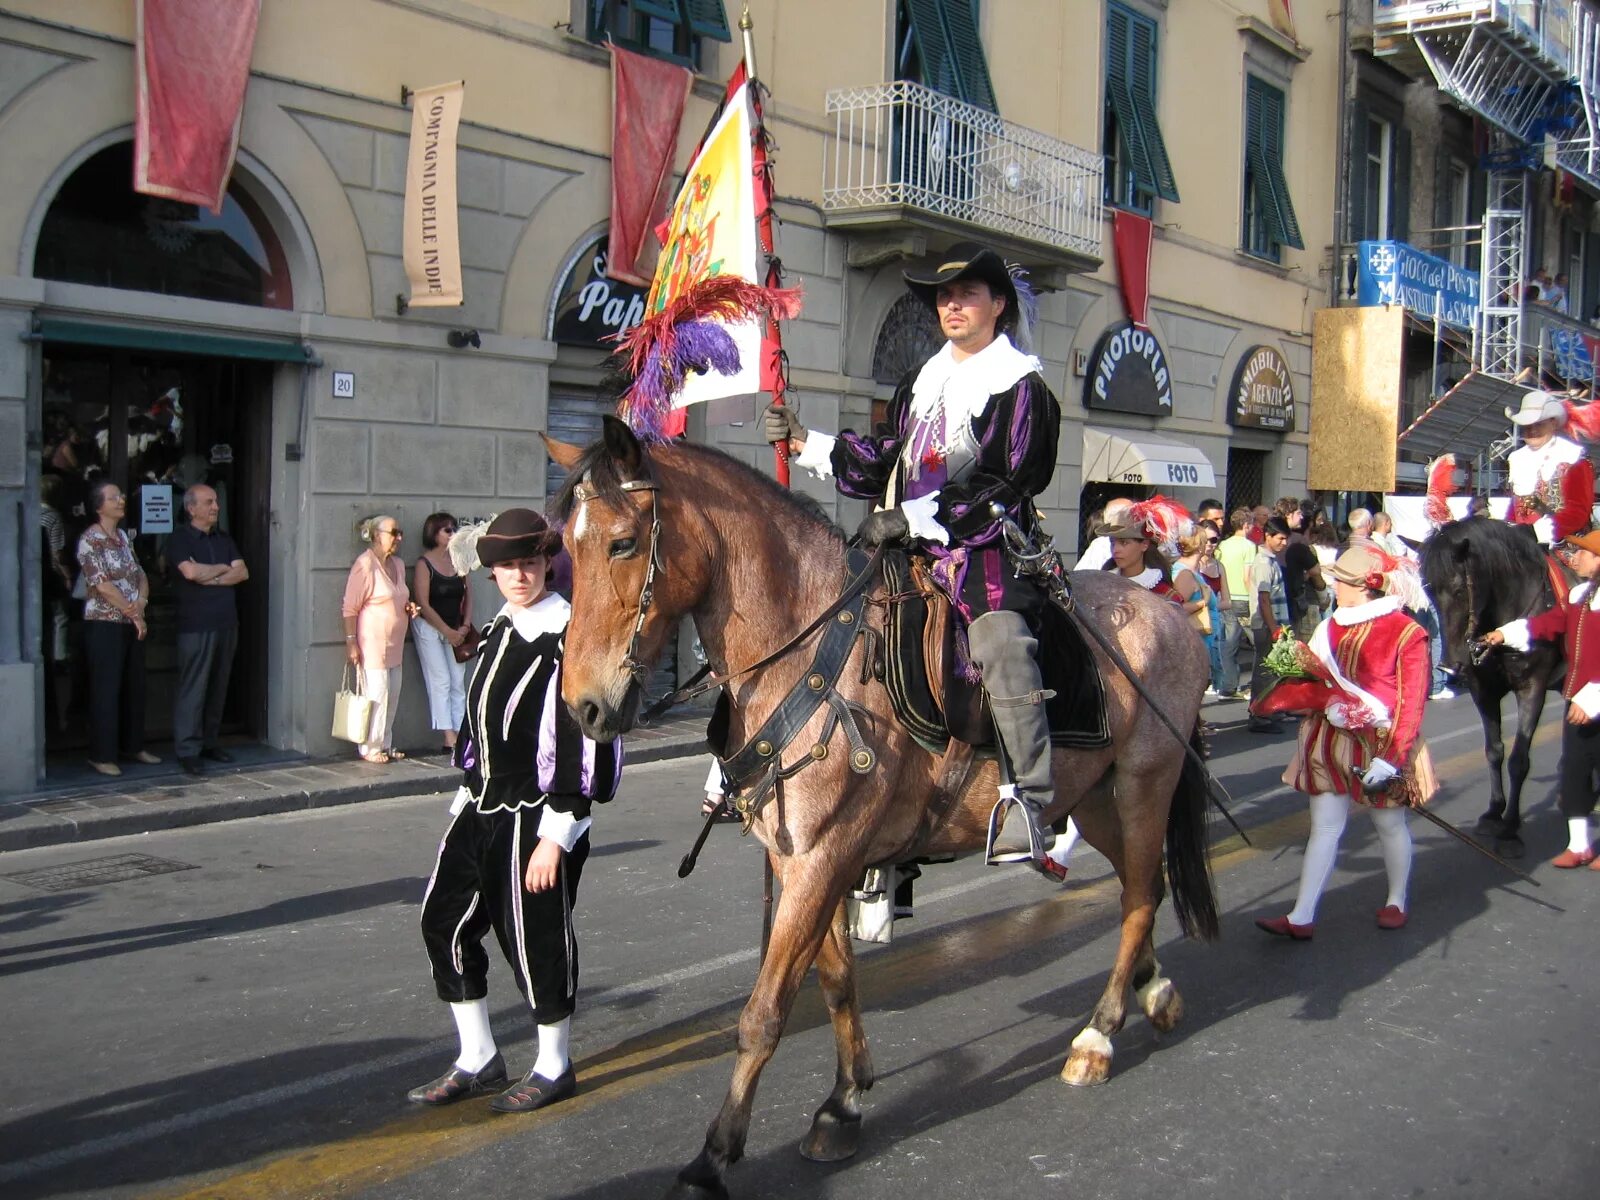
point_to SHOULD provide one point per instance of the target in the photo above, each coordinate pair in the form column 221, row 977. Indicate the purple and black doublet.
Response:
column 527, row 773
column 975, row 451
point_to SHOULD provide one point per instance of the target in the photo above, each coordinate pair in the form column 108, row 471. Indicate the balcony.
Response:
column 904, row 162
column 1529, row 67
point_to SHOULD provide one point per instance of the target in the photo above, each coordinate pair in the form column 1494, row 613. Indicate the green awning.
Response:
column 172, row 341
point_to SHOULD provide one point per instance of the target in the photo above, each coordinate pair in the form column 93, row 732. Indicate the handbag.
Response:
column 469, row 644
column 352, row 711
column 1200, row 619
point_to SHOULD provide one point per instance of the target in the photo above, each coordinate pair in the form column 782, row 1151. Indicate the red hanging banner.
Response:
column 1130, row 236
column 193, row 62
column 647, row 102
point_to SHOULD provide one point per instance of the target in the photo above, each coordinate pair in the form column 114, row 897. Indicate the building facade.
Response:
column 311, row 400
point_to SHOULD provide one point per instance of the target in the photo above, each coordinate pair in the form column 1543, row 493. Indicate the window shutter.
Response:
column 1272, row 123
column 667, row 10
column 1477, row 201
column 1142, row 85
column 966, row 48
column 707, row 19
column 933, row 47
column 1356, row 192
column 1400, row 186
column 1119, row 95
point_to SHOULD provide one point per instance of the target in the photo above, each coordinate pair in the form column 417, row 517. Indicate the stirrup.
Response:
column 1035, row 855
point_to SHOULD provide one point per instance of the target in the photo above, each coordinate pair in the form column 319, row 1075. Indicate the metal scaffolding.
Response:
column 1499, row 335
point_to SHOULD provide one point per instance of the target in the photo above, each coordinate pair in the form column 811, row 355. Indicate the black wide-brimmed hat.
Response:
column 516, row 533
column 965, row 260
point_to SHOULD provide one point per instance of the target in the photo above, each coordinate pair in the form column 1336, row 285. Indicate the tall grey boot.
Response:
column 1005, row 649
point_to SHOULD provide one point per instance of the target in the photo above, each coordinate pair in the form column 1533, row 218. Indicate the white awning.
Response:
column 1128, row 457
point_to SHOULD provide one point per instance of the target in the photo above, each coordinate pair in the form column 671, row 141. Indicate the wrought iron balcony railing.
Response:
column 904, row 146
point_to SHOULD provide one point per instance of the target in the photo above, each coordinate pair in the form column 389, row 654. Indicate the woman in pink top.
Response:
column 377, row 604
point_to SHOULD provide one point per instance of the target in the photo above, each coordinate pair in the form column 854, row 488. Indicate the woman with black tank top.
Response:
column 444, row 623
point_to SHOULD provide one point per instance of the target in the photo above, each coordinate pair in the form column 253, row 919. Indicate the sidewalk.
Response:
column 163, row 797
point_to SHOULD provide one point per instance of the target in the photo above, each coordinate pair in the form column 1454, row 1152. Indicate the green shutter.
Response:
column 1142, row 86
column 1119, row 95
column 667, row 10
column 933, row 47
column 967, row 49
column 707, row 19
column 1264, row 151
column 946, row 37
column 1272, row 132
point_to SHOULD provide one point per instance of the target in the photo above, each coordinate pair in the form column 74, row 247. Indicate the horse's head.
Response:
column 624, row 605
column 1481, row 573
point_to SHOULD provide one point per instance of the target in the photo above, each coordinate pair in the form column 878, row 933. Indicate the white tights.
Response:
column 1328, row 814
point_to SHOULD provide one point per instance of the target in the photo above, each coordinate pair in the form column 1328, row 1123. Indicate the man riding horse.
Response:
column 974, row 428
column 1552, row 480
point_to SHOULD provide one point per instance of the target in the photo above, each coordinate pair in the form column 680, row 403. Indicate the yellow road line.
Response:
column 425, row 1137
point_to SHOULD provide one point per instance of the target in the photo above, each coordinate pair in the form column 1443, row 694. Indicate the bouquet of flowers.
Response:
column 1303, row 684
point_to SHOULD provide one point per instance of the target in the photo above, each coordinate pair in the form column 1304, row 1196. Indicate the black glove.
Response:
column 779, row 424
column 890, row 525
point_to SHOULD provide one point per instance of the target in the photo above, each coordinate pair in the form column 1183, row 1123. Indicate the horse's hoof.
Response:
column 1164, row 1007
column 1510, row 847
column 835, row 1135
column 1090, row 1060
column 1491, row 827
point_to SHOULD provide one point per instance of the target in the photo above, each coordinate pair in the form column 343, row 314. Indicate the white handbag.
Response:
column 352, row 711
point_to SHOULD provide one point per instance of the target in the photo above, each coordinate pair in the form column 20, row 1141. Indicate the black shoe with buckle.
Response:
column 192, row 766
column 456, row 1084
column 216, row 755
column 534, row 1091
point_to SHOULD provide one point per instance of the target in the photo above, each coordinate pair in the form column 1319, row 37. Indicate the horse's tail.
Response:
column 1194, row 897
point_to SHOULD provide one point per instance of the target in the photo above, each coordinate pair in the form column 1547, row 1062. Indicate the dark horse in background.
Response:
column 1482, row 573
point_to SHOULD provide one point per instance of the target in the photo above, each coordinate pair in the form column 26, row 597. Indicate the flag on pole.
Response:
column 703, row 333
column 193, row 62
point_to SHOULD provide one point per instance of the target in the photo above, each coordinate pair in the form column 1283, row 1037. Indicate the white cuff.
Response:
column 1516, row 634
column 460, row 800
column 1545, row 530
column 1587, row 698
column 817, row 457
column 923, row 521
column 562, row 828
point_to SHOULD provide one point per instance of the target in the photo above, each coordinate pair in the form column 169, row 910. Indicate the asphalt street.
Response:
column 244, row 1023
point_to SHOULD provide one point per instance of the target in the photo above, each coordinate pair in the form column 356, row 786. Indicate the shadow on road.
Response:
column 292, row 911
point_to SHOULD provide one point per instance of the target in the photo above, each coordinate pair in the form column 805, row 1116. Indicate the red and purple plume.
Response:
column 1583, row 420
column 1164, row 519
column 689, row 334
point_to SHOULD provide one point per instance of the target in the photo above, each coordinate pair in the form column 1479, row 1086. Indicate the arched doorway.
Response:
column 158, row 412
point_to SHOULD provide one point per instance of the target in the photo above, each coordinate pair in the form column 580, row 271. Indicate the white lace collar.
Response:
column 1147, row 578
column 1528, row 467
column 1355, row 614
column 547, row 615
column 1582, row 589
column 964, row 387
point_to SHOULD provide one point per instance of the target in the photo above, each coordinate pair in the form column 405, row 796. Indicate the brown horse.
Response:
column 753, row 565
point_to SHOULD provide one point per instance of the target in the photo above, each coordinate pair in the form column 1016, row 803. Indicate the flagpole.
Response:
column 772, row 374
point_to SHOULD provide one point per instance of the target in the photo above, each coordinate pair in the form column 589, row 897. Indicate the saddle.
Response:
column 935, row 688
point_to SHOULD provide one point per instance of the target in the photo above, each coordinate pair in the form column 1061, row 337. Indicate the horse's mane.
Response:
column 601, row 469
column 1505, row 566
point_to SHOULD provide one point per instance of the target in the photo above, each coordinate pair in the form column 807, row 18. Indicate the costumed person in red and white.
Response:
column 519, row 828
column 1580, row 736
column 1365, row 747
column 1552, row 480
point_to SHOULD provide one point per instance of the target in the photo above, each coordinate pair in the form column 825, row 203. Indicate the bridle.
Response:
column 584, row 492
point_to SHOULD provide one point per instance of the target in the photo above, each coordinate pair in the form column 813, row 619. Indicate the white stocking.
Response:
column 1578, row 834
column 477, row 1039
column 553, row 1054
column 1328, row 815
column 1064, row 843
column 1394, row 834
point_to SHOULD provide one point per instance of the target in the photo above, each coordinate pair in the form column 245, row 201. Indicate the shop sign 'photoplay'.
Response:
column 1128, row 372
column 432, row 245
column 1263, row 393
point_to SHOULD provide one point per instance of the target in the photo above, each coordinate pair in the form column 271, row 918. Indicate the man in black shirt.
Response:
column 209, row 568
column 1302, row 576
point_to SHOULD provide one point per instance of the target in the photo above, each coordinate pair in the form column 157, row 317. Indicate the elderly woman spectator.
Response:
column 442, row 627
column 376, row 605
column 116, row 590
